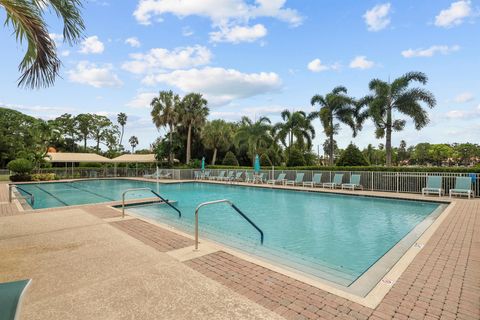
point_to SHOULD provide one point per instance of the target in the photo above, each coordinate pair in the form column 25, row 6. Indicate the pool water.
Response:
column 336, row 237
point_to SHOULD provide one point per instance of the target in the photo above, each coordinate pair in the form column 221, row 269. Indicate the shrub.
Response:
column 230, row 160
column 352, row 156
column 295, row 158
column 20, row 178
column 90, row 165
column 43, row 176
column 265, row 160
column 195, row 164
column 20, row 166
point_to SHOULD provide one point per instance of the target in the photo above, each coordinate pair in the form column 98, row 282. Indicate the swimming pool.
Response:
column 331, row 236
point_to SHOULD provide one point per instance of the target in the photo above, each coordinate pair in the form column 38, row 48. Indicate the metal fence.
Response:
column 406, row 182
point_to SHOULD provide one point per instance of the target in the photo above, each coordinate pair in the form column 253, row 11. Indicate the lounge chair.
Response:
column 337, row 181
column 316, row 181
column 206, row 175
column 197, row 175
column 230, row 176
column 249, row 177
column 280, row 179
column 354, row 183
column 463, row 186
column 11, row 296
column 220, row 176
column 261, row 178
column 298, row 179
column 154, row 175
column 167, row 174
column 238, row 176
column 434, row 185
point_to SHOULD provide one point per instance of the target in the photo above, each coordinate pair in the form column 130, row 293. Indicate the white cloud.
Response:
column 464, row 114
column 92, row 45
column 37, row 109
column 187, row 31
column 239, row 34
column 133, row 42
column 219, row 85
column 454, row 15
column 378, row 18
column 93, row 75
column 316, row 65
column 57, row 38
column 429, row 52
column 141, row 100
column 218, row 11
column 464, row 97
column 65, row 53
column 361, row 62
column 158, row 59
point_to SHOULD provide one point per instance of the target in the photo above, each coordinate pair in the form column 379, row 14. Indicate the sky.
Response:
column 258, row 57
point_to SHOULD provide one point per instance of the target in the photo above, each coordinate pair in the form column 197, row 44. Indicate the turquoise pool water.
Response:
column 337, row 237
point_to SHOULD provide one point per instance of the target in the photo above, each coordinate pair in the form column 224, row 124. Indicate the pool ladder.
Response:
column 28, row 194
column 156, row 194
column 234, row 207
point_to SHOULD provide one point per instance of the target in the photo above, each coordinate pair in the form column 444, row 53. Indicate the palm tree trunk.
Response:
column 331, row 142
column 170, row 156
column 189, row 142
column 388, row 137
column 85, row 142
column 121, row 136
column 214, row 158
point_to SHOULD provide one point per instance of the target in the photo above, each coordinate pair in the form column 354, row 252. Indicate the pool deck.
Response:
column 89, row 263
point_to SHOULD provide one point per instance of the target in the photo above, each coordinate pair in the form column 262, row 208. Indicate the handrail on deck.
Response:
column 10, row 194
column 234, row 207
column 156, row 194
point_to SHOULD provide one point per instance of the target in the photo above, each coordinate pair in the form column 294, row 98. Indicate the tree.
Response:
column 165, row 109
column 254, row 136
column 83, row 121
column 402, row 151
column 466, row 151
column 335, row 105
column 133, row 142
column 193, row 112
column 328, row 145
column 265, row 160
column 230, row 159
column 352, row 156
column 122, row 121
column 296, row 126
column 216, row 135
column 295, row 158
column 99, row 127
column 40, row 65
column 67, row 126
column 396, row 96
column 440, row 152
column 421, row 154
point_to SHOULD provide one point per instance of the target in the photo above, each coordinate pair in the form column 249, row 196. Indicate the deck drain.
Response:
column 418, row 245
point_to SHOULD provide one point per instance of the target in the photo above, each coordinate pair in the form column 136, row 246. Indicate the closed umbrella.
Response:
column 256, row 166
column 203, row 164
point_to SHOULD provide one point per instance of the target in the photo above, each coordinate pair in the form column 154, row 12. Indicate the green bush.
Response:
column 295, row 158
column 43, row 176
column 352, row 156
column 90, row 165
column 195, row 164
column 265, row 160
column 230, row 160
column 20, row 166
column 20, row 177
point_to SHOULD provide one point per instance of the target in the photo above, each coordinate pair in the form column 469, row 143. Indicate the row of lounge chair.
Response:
column 159, row 174
column 434, row 183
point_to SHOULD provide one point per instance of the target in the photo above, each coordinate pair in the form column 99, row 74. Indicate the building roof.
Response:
column 135, row 158
column 75, row 157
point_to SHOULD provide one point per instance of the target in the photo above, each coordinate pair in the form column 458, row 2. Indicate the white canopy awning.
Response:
column 135, row 158
column 75, row 157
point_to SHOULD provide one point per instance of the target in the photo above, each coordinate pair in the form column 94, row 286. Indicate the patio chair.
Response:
column 238, row 176
column 197, row 175
column 280, row 179
column 337, row 181
column 463, row 186
column 354, row 183
column 206, row 175
column 230, row 176
column 434, row 185
column 316, row 180
column 260, row 178
column 220, row 176
column 166, row 175
column 298, row 179
column 11, row 296
column 153, row 175
column 249, row 177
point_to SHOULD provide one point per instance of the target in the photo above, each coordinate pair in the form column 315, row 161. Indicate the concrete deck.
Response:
column 86, row 264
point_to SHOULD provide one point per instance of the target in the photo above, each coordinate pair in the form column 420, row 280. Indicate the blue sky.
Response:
column 259, row 57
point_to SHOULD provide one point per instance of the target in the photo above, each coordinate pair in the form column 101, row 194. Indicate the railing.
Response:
column 28, row 194
column 234, row 207
column 156, row 194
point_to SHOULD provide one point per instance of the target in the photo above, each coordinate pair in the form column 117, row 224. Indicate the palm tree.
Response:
column 255, row 136
column 165, row 114
column 388, row 97
column 122, row 121
column 40, row 65
column 216, row 135
column 133, row 142
column 335, row 105
column 296, row 126
column 193, row 112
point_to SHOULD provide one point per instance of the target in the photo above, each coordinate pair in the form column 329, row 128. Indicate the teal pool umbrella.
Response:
column 203, row 164
column 256, row 166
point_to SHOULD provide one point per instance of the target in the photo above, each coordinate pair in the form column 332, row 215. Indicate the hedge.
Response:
column 365, row 168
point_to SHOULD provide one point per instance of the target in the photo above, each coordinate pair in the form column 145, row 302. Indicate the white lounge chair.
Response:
column 354, row 183
column 298, row 179
column 463, row 186
column 434, row 185
column 337, row 181
column 280, row 179
column 316, row 181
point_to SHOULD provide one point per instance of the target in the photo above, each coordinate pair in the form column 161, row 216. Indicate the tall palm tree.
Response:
column 133, row 142
column 122, row 121
column 165, row 114
column 296, row 126
column 217, row 135
column 336, row 105
column 193, row 112
column 40, row 65
column 397, row 96
column 254, row 135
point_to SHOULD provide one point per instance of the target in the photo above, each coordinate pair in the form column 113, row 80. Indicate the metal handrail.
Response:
column 156, row 194
column 10, row 193
column 234, row 207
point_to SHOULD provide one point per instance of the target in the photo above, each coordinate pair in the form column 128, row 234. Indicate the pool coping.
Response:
column 374, row 296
